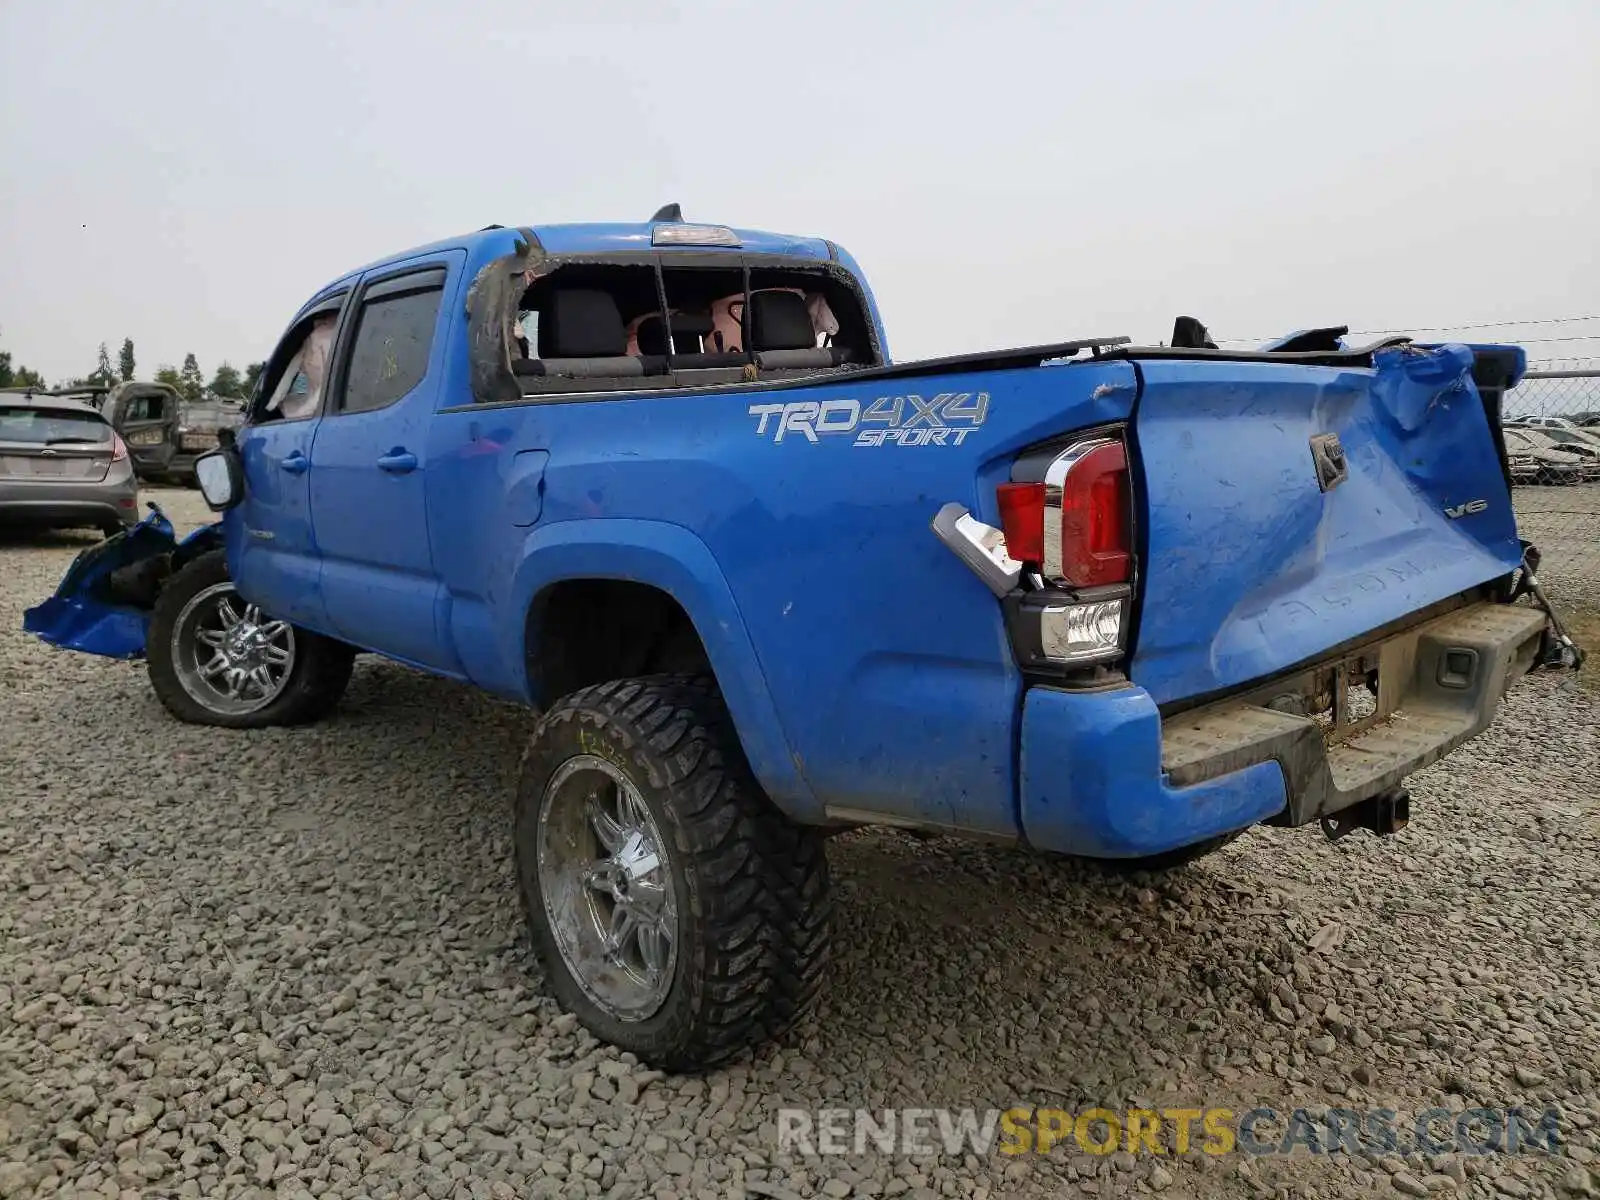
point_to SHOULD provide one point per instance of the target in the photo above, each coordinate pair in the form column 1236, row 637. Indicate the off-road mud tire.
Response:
column 754, row 910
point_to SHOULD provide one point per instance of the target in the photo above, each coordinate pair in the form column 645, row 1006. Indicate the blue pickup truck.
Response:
column 663, row 483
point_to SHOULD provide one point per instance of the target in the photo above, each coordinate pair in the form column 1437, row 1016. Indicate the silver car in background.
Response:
column 62, row 465
column 1535, row 459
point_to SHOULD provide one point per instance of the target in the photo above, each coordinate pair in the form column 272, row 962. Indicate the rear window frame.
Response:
column 525, row 389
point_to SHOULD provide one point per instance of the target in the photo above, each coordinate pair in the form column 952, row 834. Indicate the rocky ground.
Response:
column 290, row 963
column 1564, row 522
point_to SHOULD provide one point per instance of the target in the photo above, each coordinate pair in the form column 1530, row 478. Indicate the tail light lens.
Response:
column 1022, row 518
column 119, row 448
column 1076, row 524
column 1092, row 506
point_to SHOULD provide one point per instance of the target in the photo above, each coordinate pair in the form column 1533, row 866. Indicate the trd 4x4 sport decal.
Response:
column 909, row 420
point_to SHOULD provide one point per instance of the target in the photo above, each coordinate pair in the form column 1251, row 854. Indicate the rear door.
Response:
column 370, row 467
column 272, row 548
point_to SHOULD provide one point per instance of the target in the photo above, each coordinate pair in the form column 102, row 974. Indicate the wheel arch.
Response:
column 665, row 575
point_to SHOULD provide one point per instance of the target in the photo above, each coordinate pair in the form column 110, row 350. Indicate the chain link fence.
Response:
column 1556, row 471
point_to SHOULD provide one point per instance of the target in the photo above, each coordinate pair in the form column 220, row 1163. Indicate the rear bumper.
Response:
column 63, row 508
column 1103, row 775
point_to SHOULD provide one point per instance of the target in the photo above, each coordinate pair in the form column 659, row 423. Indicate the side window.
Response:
column 296, row 392
column 144, row 408
column 394, row 336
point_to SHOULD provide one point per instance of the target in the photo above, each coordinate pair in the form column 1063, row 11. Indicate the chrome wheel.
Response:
column 229, row 656
column 606, row 888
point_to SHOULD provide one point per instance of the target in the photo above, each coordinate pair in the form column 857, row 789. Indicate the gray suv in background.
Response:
column 62, row 465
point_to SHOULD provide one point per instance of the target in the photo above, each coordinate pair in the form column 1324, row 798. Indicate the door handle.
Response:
column 295, row 463
column 398, row 461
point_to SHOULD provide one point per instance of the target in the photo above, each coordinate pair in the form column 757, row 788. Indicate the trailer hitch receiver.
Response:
column 1384, row 814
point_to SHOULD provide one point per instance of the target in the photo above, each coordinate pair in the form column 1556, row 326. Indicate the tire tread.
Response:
column 763, row 914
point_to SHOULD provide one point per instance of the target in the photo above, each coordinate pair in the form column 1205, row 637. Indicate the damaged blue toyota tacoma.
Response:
column 663, row 483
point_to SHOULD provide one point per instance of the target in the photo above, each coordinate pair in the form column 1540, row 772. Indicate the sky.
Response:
column 186, row 173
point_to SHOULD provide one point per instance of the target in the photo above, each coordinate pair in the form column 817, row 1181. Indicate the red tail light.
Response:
column 119, row 448
column 1096, row 544
column 1076, row 526
column 1022, row 517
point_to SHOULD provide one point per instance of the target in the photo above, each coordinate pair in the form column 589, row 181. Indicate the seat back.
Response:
column 581, row 323
column 581, row 334
column 781, row 333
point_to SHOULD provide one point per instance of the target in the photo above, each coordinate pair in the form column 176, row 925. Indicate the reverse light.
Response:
column 677, row 234
column 1077, row 633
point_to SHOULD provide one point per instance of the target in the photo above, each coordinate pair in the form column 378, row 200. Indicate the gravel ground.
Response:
column 290, row 963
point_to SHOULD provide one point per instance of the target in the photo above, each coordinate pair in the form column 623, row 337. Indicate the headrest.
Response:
column 687, row 330
column 779, row 320
column 581, row 323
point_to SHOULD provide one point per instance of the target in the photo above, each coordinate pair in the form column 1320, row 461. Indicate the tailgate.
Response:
column 1253, row 564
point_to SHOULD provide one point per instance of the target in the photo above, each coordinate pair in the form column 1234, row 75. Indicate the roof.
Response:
column 598, row 238
column 604, row 238
column 134, row 387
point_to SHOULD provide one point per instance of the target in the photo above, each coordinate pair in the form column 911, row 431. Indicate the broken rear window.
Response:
column 675, row 323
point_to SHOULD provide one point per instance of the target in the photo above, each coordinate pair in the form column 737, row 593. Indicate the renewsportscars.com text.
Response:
column 1178, row 1131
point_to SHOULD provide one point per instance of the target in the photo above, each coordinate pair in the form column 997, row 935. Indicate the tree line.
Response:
column 227, row 381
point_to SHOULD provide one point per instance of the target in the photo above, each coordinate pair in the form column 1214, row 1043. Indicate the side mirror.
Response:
column 221, row 479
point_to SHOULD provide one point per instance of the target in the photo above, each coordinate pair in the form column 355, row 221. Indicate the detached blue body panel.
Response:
column 869, row 672
column 78, row 617
column 75, row 622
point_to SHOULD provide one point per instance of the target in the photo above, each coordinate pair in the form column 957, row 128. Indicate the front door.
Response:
column 370, row 466
column 272, row 550
column 147, row 419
